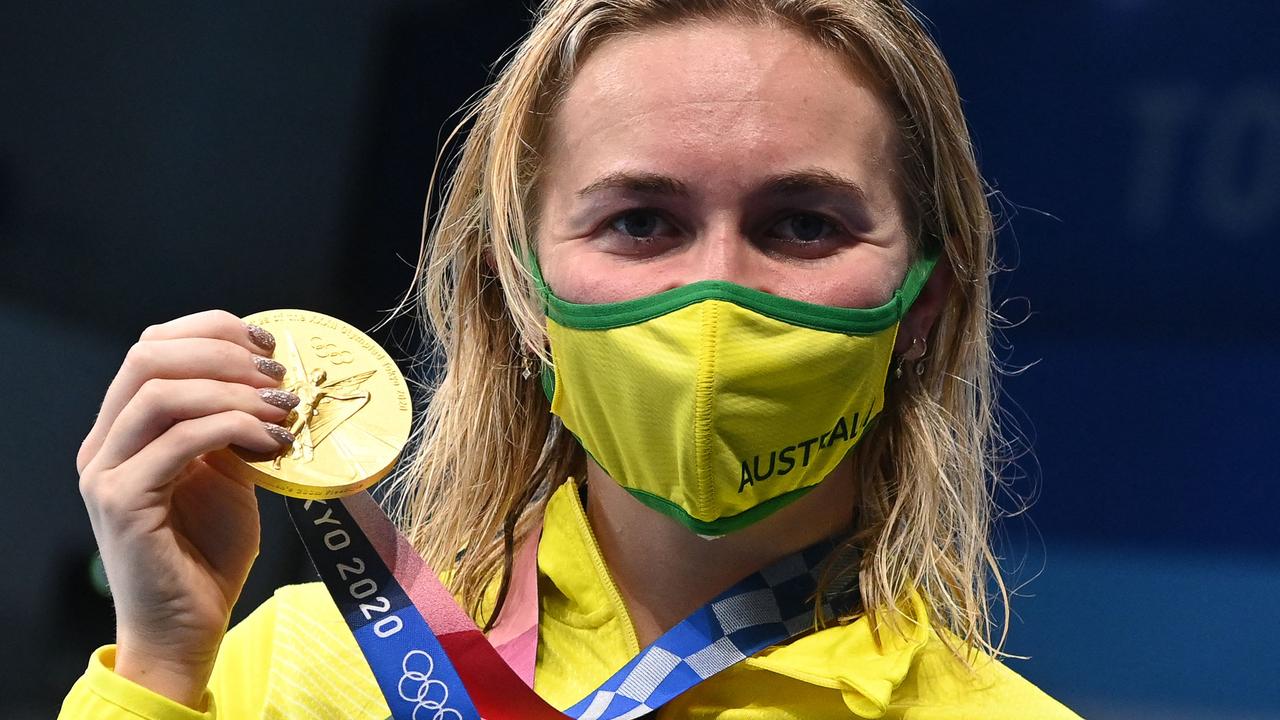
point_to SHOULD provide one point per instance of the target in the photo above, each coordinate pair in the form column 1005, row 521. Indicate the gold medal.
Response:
column 354, row 415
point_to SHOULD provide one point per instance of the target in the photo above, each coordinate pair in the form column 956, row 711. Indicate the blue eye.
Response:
column 638, row 223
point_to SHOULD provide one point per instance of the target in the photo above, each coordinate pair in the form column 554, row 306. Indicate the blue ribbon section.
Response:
column 415, row 676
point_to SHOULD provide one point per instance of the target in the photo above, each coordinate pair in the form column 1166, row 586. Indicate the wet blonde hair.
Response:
column 488, row 452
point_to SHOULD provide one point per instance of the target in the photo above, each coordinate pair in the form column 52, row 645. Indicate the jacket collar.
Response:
column 848, row 658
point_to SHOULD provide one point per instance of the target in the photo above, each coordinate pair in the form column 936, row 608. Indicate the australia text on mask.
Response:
column 783, row 461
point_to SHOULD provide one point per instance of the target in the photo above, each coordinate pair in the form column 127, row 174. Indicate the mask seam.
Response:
column 703, row 405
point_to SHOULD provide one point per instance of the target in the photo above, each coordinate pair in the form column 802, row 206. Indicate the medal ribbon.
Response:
column 432, row 662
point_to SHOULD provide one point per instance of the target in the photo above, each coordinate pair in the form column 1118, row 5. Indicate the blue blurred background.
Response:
column 157, row 159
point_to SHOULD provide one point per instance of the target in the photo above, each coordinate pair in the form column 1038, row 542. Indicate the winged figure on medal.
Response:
column 325, row 405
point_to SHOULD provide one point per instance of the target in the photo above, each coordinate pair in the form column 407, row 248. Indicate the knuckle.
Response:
column 242, row 427
column 245, row 422
column 224, row 318
column 106, row 501
column 153, row 391
column 151, row 332
column 82, row 460
column 88, row 488
column 223, row 426
column 185, row 432
column 225, row 315
column 139, row 355
column 95, row 490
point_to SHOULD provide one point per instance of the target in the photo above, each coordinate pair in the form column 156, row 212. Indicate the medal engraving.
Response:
column 354, row 415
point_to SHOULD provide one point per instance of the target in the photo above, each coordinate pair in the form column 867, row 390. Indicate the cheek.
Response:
column 863, row 276
column 857, row 287
column 579, row 275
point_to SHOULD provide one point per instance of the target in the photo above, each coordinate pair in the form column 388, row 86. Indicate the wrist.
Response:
column 183, row 681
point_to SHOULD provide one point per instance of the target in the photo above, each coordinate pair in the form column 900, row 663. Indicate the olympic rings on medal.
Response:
column 416, row 686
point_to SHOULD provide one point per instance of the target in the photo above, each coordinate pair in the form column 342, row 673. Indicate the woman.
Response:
column 747, row 242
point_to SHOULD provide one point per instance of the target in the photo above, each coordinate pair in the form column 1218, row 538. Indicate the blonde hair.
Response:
column 489, row 452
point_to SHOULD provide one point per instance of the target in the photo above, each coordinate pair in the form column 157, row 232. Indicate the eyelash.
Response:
column 832, row 226
column 613, row 222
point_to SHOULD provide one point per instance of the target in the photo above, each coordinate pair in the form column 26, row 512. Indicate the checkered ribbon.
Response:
column 761, row 610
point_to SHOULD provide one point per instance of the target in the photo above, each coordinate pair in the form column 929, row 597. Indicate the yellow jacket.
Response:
column 294, row 658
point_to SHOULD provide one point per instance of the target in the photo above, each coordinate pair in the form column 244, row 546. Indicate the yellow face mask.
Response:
column 716, row 404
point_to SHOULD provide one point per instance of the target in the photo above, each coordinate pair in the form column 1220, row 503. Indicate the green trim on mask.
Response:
column 722, row 525
column 851, row 321
column 548, row 382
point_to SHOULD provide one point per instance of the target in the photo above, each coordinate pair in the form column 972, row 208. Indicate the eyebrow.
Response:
column 643, row 183
column 812, row 180
column 796, row 182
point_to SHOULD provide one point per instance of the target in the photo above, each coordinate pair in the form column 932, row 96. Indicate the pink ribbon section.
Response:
column 500, row 691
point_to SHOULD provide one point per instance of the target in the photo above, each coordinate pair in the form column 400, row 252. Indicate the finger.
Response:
column 161, row 460
column 218, row 324
column 179, row 358
column 160, row 403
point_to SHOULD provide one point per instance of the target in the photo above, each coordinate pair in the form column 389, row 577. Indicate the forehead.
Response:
column 740, row 95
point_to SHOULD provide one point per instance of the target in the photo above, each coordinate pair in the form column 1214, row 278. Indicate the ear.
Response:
column 490, row 261
column 923, row 315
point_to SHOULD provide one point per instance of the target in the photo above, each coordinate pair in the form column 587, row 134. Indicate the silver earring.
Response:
column 919, row 363
column 897, row 368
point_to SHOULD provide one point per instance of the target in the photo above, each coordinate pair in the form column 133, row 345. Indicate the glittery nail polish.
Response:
column 279, row 434
column 269, row 367
column 282, row 399
column 261, row 337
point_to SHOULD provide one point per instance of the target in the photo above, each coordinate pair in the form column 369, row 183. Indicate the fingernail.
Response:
column 280, row 398
column 269, row 367
column 279, row 434
column 261, row 338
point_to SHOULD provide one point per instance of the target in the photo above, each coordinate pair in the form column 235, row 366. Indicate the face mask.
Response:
column 717, row 404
